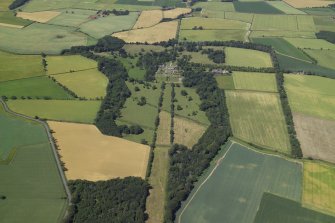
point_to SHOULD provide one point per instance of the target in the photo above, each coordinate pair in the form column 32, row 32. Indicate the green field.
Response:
column 133, row 70
column 212, row 23
column 4, row 5
column 89, row 84
column 215, row 6
column 325, row 58
column 225, row 82
column 277, row 209
column 319, row 11
column 60, row 110
column 244, row 17
column 283, row 22
column 258, row 118
column 255, row 81
column 10, row 18
column 324, row 23
column 284, row 7
column 31, row 182
column 212, row 35
column 110, row 24
column 232, row 188
column 33, row 87
column 316, row 44
column 282, row 33
column 311, row 95
column 137, row 48
column 247, row 58
column 72, row 17
column 43, row 5
column 259, row 7
column 66, row 64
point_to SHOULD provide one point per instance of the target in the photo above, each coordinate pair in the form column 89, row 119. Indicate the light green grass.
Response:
column 247, row 58
column 255, row 81
column 282, row 33
column 10, row 18
column 43, row 5
column 66, row 64
column 215, row 6
column 212, row 23
column 60, row 110
column 324, row 58
column 258, row 118
column 167, row 98
column 237, row 183
column 133, row 70
column 324, row 23
column 212, row 35
column 284, row 7
column 225, row 82
column 31, row 181
column 4, row 5
column 110, row 24
column 306, row 23
column 72, row 17
column 88, row 83
column 197, row 57
column 33, row 87
column 244, row 17
column 311, row 43
column 14, row 67
column 311, row 95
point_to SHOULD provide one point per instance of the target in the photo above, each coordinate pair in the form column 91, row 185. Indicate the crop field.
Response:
column 117, row 157
column 325, row 58
column 274, row 209
column 175, row 13
column 212, row 23
column 41, row 17
column 148, row 18
column 33, row 87
column 34, row 191
column 260, row 7
column 244, row 17
column 315, row 136
column 61, row 110
column 247, row 58
column 283, row 22
column 212, row 35
column 161, row 32
column 9, row 18
column 308, row 3
column 44, row 5
column 258, row 118
column 319, row 11
column 14, row 67
column 67, row 64
column 45, row 38
column 284, row 7
column 255, row 81
column 163, row 131
column 232, row 188
column 72, row 17
column 311, row 95
column 225, row 82
column 88, row 83
column 316, row 44
column 282, row 33
column 100, row 27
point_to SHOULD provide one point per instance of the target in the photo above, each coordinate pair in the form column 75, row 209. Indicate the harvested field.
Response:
column 67, row 64
column 90, row 155
column 308, row 3
column 42, row 17
column 9, row 18
column 316, row 136
column 148, row 19
column 255, row 81
column 325, row 58
column 163, row 131
column 187, row 132
column 212, row 23
column 175, row 13
column 212, row 35
column 161, row 32
column 247, row 58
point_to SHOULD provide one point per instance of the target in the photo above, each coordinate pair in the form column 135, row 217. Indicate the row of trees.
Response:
column 217, row 56
column 17, row 3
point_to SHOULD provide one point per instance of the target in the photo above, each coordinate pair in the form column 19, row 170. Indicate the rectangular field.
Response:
column 284, row 7
column 72, row 17
column 258, row 118
column 212, row 35
column 283, row 22
column 282, row 33
column 212, row 23
column 148, row 18
column 316, row 44
column 163, row 131
column 325, row 58
column 247, row 58
column 257, row 7
column 255, row 81
column 67, row 64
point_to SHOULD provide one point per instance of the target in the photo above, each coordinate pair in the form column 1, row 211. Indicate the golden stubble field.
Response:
column 174, row 13
column 148, row 18
column 42, row 17
column 90, row 155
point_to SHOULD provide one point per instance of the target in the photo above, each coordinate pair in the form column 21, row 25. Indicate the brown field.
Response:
column 163, row 131
column 174, row 13
column 161, row 32
column 316, row 136
column 308, row 3
column 148, row 19
column 41, row 17
column 187, row 132
column 89, row 155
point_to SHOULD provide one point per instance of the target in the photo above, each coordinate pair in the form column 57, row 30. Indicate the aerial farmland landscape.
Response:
column 167, row 111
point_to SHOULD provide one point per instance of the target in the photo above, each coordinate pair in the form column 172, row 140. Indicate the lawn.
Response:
column 212, row 23
column 255, row 81
column 231, row 190
column 260, row 7
column 14, row 67
column 61, row 110
column 311, row 95
column 72, row 17
column 225, row 82
column 31, row 181
column 316, row 44
column 67, row 64
column 10, row 18
column 148, row 18
column 212, row 35
column 247, row 58
column 325, row 58
column 34, row 87
column 258, row 118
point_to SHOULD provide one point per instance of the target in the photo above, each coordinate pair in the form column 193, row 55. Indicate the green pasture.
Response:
column 255, row 81
column 45, row 38
column 212, row 23
column 284, row 7
column 215, row 6
column 225, row 82
column 212, row 35
column 89, row 84
column 146, row 135
column 324, row 23
column 197, row 57
column 258, row 118
column 31, row 182
column 244, row 17
column 67, row 64
column 72, row 17
column 14, row 67
column 60, row 110
column 231, row 190
column 167, row 98
column 34, row 87
column 44, row 5
column 283, row 22
column 319, row 11
column 259, row 7
column 107, row 25
column 282, row 33
column 316, row 44
column 324, row 58
column 10, row 18
column 137, row 48
column 4, row 5
column 133, row 70
column 306, row 23
column 247, row 58
column 311, row 95
column 276, row 209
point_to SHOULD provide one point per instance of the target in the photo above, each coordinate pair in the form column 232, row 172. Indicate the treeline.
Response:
column 217, row 56
column 114, row 11
column 112, row 201
column 17, row 3
column 187, row 165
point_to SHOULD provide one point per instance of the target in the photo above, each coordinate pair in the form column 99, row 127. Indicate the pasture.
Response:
column 255, row 81
column 311, row 95
column 257, row 7
column 258, row 118
column 137, row 48
column 175, row 13
column 212, row 23
column 148, row 18
column 31, row 182
column 316, row 44
column 324, row 23
column 161, row 32
column 41, row 17
column 212, row 35
column 232, row 188
column 225, row 82
column 308, row 3
column 284, row 7
column 163, row 131
column 247, row 58
column 67, row 64
column 60, row 110
column 81, row 145
column 283, row 22
column 133, row 70
column 4, row 5
column 34, row 87
column 325, row 58
column 13, row 67
column 218, row 7
column 72, row 17
column 282, row 33
column 244, row 17
column 9, row 18
column 166, row 106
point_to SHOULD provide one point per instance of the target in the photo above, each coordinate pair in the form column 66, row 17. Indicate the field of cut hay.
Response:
column 175, row 13
column 67, row 64
column 212, row 35
column 324, row 58
column 42, row 17
column 255, row 81
column 212, row 23
column 258, row 118
column 161, row 32
column 90, row 155
column 308, row 3
column 163, row 131
column 247, row 58
column 148, row 19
